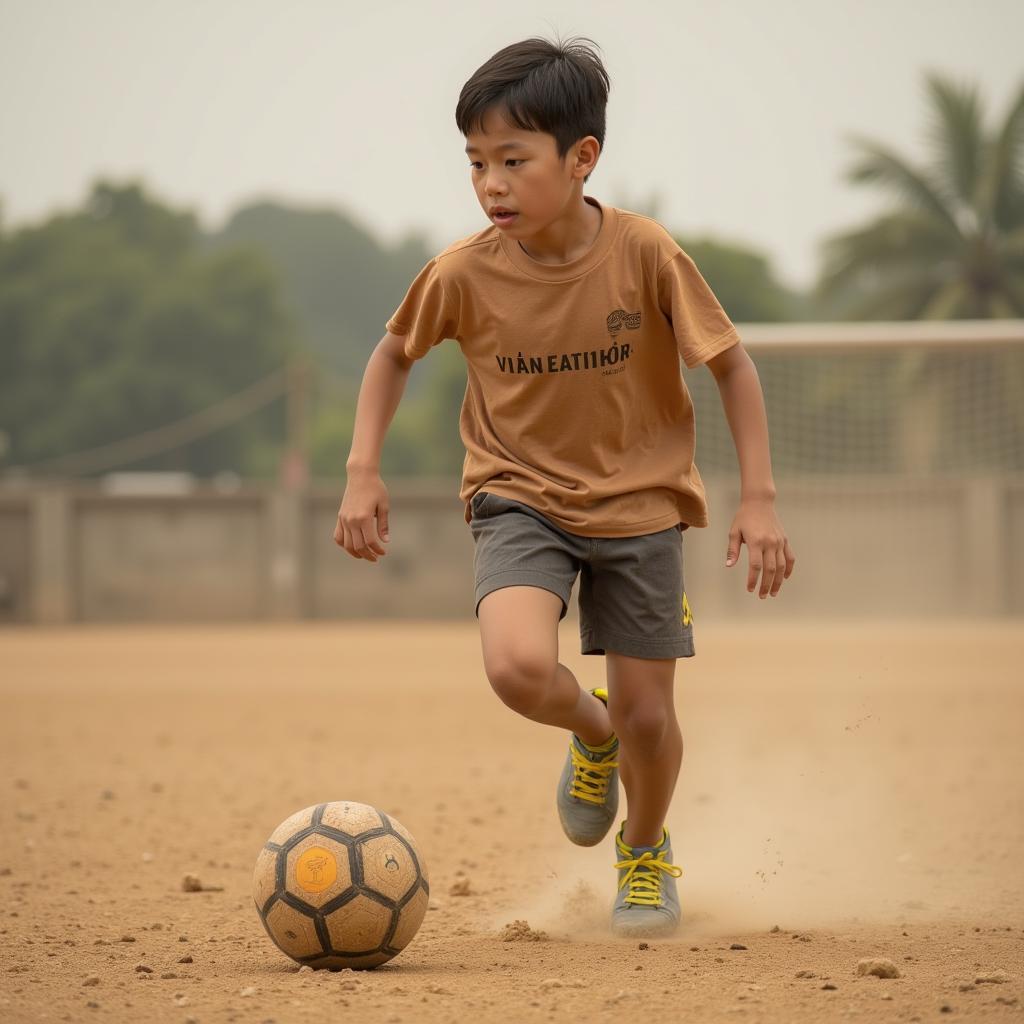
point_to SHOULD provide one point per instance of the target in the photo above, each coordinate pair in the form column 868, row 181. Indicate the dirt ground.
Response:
column 847, row 791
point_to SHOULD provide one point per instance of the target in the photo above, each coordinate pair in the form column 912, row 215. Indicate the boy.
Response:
column 579, row 432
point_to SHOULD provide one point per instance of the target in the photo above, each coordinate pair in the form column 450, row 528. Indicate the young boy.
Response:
column 572, row 316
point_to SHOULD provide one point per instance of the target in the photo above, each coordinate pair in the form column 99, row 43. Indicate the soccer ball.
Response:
column 341, row 885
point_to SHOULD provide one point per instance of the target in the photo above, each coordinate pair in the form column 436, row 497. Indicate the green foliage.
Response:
column 114, row 321
column 340, row 282
column 741, row 277
column 952, row 244
column 423, row 438
column 743, row 281
column 124, row 317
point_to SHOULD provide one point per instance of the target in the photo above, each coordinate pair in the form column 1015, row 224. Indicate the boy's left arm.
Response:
column 755, row 521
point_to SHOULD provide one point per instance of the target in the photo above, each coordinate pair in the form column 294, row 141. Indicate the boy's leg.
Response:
column 642, row 712
column 519, row 636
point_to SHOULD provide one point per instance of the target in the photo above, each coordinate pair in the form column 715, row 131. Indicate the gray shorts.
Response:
column 631, row 596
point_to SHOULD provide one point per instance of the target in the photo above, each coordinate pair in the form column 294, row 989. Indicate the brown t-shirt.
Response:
column 575, row 402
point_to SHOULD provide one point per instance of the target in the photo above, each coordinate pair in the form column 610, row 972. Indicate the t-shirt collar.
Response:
column 574, row 268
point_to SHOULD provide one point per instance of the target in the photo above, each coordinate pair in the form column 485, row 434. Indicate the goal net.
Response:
column 898, row 454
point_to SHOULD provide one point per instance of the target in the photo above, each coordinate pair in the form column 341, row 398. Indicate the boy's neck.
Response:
column 568, row 237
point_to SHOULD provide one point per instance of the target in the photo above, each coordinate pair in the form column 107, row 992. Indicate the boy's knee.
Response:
column 521, row 680
column 640, row 727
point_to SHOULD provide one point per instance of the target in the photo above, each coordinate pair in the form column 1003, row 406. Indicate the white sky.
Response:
column 735, row 114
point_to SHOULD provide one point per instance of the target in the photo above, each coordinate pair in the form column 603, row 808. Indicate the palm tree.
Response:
column 954, row 245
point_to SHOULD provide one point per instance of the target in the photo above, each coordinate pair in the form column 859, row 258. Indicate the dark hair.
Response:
column 558, row 88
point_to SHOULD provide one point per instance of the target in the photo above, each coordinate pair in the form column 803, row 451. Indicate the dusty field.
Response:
column 846, row 792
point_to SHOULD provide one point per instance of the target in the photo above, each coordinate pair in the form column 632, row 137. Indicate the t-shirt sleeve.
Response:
column 701, row 326
column 426, row 315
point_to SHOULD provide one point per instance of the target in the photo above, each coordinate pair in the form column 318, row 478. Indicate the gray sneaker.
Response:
column 588, row 790
column 647, row 903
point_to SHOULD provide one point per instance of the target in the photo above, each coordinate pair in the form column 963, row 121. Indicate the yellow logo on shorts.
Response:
column 687, row 614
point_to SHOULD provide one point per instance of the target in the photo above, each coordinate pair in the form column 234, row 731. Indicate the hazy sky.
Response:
column 734, row 114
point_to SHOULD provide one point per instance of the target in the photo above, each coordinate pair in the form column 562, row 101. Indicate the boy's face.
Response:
column 520, row 170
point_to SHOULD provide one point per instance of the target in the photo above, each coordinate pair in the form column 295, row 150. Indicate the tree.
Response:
column 340, row 282
column 113, row 322
column 950, row 247
column 953, row 245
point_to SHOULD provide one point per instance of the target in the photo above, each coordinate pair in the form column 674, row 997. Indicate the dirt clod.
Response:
column 520, row 931
column 879, row 966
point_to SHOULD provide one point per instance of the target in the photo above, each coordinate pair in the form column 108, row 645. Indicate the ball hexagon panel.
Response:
column 317, row 870
column 264, row 877
column 398, row 827
column 359, row 926
column 293, row 823
column 388, row 866
column 409, row 920
column 351, row 817
column 293, row 931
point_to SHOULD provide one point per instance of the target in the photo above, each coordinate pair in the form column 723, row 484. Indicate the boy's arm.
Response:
column 383, row 384
column 755, row 522
column 366, row 497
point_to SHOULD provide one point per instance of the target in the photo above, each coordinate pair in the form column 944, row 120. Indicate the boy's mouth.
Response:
column 503, row 219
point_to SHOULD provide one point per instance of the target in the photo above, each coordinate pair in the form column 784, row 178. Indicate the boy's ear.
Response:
column 586, row 151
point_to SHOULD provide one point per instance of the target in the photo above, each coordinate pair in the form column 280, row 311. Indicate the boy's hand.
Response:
column 769, row 550
column 364, row 508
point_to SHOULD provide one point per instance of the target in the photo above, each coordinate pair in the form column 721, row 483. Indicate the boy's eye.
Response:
column 510, row 160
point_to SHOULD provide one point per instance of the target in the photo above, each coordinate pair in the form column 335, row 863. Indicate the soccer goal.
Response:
column 898, row 453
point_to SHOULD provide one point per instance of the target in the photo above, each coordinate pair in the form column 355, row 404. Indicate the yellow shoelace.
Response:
column 643, row 877
column 590, row 778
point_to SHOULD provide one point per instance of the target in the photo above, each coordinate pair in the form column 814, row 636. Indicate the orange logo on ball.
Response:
column 316, row 869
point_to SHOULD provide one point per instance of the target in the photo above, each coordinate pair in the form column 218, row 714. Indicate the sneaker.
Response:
column 647, row 902
column 588, row 790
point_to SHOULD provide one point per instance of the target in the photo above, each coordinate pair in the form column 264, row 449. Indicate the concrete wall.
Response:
column 866, row 547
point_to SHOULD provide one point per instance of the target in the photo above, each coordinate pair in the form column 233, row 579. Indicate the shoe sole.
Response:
column 643, row 931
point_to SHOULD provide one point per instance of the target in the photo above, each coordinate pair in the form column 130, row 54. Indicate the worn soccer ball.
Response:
column 341, row 885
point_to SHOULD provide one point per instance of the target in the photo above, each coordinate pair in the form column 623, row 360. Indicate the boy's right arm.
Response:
column 364, row 505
